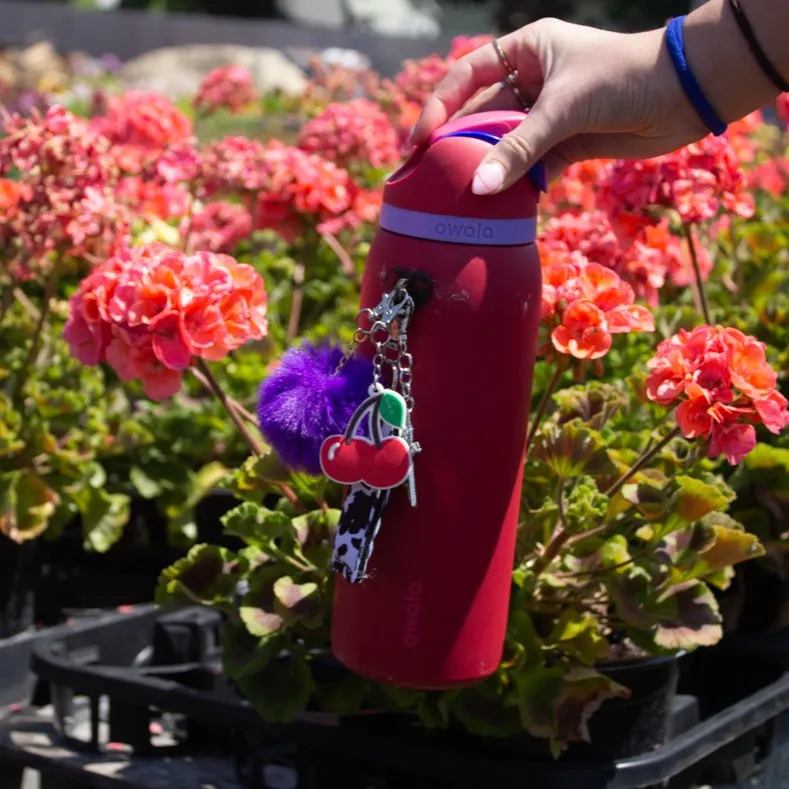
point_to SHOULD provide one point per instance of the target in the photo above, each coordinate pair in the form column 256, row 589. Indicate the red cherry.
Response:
column 346, row 463
column 390, row 466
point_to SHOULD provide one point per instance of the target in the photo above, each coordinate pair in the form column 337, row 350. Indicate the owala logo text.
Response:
column 473, row 231
column 413, row 608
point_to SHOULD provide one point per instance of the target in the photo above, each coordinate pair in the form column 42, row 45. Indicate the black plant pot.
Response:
column 620, row 728
column 128, row 573
column 740, row 665
column 748, row 659
column 19, row 574
column 75, row 579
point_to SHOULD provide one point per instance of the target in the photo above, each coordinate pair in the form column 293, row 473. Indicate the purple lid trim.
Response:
column 459, row 229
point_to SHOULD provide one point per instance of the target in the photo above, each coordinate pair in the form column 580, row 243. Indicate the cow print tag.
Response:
column 356, row 532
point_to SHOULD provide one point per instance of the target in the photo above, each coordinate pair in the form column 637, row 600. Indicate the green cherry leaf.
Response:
column 392, row 409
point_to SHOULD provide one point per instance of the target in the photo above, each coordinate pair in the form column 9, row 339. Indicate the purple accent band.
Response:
column 459, row 229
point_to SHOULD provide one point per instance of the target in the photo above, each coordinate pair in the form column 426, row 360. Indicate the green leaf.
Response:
column 583, row 692
column 343, row 697
column 404, row 698
column 696, row 498
column 207, row 575
column 630, row 592
column 433, row 709
column 538, row 693
column 104, row 516
column 254, row 557
column 243, row 654
column 651, row 498
column 257, row 477
column 729, row 547
column 27, row 504
column 585, row 506
column 258, row 606
column 571, row 450
column 181, row 514
column 484, row 710
column 593, row 403
column 148, row 488
column 255, row 524
column 763, row 457
column 524, row 640
column 557, row 706
column 687, row 617
column 280, row 690
column 578, row 635
column 680, row 548
column 298, row 602
column 392, row 409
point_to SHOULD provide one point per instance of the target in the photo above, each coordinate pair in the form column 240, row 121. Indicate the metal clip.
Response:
column 396, row 305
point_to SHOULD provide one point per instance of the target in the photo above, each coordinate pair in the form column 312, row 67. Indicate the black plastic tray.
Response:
column 745, row 745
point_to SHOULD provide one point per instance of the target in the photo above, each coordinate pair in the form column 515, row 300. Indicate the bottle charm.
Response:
column 383, row 459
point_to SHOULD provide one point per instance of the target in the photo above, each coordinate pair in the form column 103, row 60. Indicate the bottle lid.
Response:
column 430, row 196
column 490, row 127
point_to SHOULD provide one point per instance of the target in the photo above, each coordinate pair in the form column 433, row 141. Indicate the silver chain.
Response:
column 402, row 379
column 388, row 333
column 394, row 310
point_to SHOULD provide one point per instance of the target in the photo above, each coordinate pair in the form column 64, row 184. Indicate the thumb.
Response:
column 519, row 150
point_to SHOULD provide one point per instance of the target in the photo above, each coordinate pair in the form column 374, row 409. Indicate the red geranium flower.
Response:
column 65, row 199
column 697, row 181
column 139, row 124
column 352, row 133
column 149, row 310
column 584, row 303
column 218, row 227
column 228, row 87
column 722, row 385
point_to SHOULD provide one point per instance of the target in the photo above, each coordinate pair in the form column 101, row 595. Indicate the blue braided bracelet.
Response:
column 675, row 43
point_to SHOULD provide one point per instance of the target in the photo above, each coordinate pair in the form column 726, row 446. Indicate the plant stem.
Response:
column 237, row 413
column 558, row 538
column 27, row 305
column 32, row 355
column 7, row 299
column 346, row 262
column 641, row 462
column 601, row 570
column 298, row 300
column 543, row 406
column 277, row 553
column 213, row 385
column 620, row 483
column 694, row 259
column 250, row 417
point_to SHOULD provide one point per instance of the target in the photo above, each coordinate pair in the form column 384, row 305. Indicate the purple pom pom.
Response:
column 303, row 402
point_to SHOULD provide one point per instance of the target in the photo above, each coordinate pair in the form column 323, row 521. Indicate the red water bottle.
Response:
column 433, row 612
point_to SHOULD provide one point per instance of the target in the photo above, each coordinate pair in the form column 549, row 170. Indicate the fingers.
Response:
column 477, row 70
column 496, row 97
column 522, row 148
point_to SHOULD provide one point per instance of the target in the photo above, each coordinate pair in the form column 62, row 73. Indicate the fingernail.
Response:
column 488, row 178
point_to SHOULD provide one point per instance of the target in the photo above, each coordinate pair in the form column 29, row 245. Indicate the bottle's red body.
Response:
column 433, row 612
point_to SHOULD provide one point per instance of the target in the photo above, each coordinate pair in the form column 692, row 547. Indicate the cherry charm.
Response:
column 379, row 462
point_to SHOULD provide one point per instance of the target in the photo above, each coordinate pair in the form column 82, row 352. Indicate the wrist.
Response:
column 670, row 99
column 721, row 61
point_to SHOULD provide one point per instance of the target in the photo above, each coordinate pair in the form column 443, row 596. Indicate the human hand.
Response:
column 595, row 94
